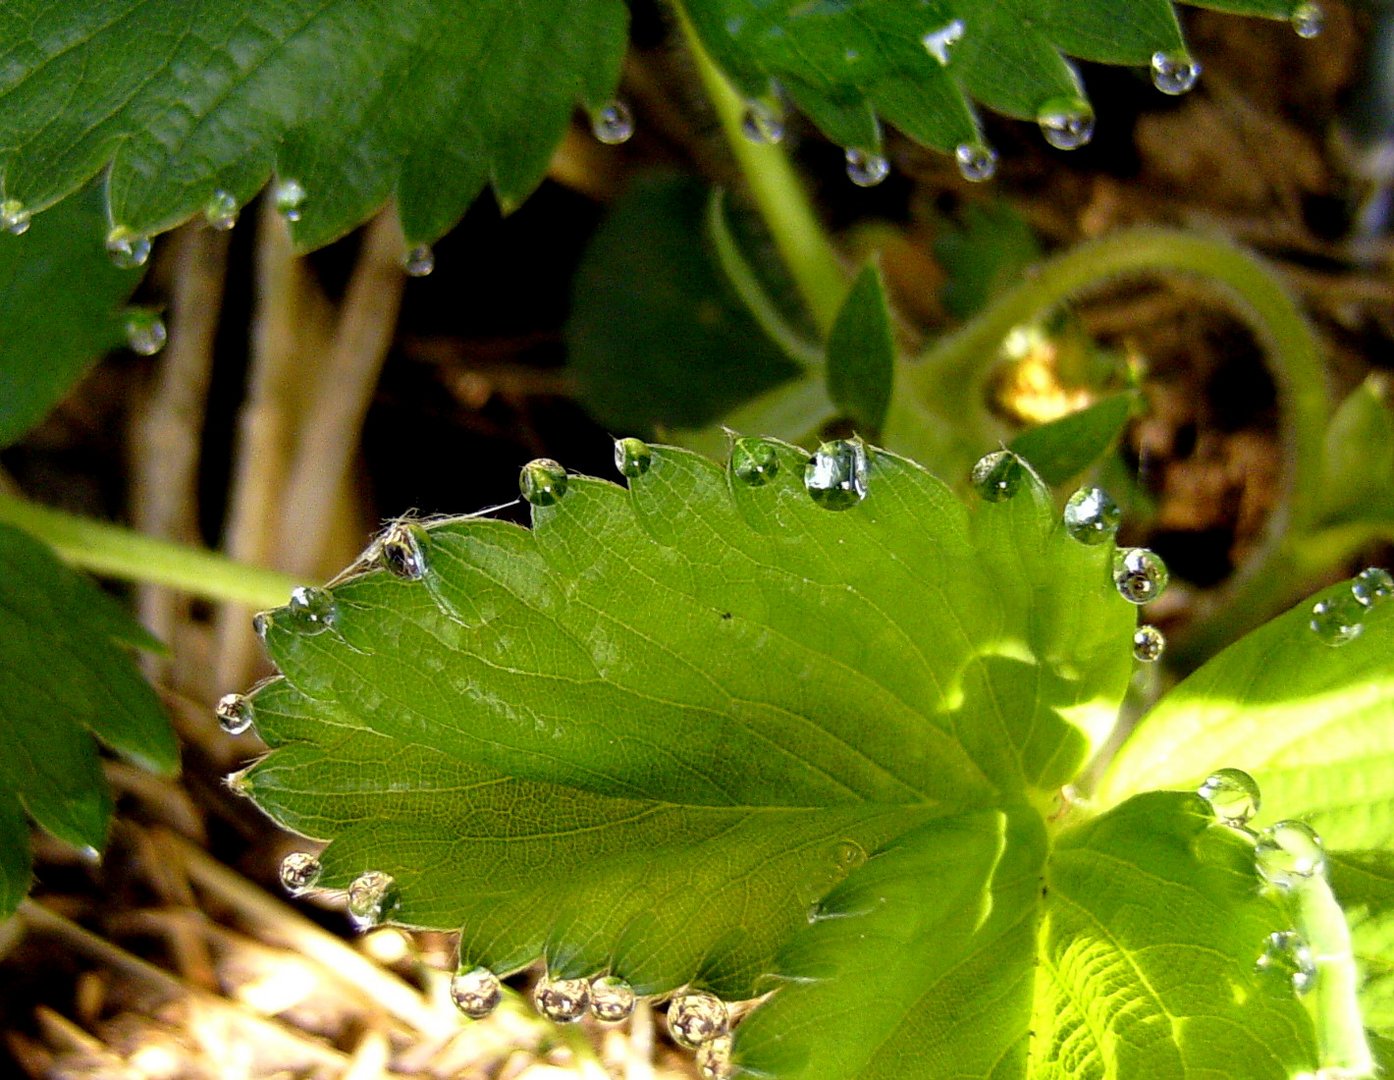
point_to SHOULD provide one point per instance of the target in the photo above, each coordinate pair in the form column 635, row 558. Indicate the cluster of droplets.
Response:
column 145, row 331
column 1340, row 618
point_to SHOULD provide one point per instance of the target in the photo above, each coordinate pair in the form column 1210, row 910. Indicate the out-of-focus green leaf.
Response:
column 861, row 353
column 1062, row 449
column 988, row 251
column 1358, row 474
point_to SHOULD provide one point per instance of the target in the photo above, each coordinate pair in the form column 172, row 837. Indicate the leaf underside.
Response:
column 704, row 732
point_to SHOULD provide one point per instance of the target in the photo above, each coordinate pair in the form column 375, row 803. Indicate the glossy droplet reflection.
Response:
column 612, row 999
column 14, row 218
column 542, row 482
column 977, row 162
column 754, row 461
column 419, row 261
column 1287, row 959
column 1091, row 516
column 696, row 1017
column 126, row 248
column 1338, row 619
column 761, row 124
column 1149, row 644
column 998, row 476
column 1139, row 575
column 372, row 899
column 1066, row 123
column 940, row 41
column 220, row 211
column 836, row 475
column 1373, row 585
column 402, row 550
column 1289, row 853
column 1233, row 796
column 562, row 1001
column 613, row 124
column 713, row 1059
column 1174, row 73
column 476, row 992
column 289, row 199
column 234, row 713
column 1308, row 20
column 311, row 609
column 145, row 332
column 299, row 872
column 632, row 457
column 866, row 168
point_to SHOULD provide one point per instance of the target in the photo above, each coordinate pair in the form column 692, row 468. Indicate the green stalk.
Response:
column 1342, row 1045
column 113, row 551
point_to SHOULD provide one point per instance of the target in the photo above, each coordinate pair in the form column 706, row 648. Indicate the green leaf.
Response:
column 984, row 254
column 1062, row 449
column 60, row 309
column 1312, row 723
column 63, row 679
column 1358, row 464
column 420, row 101
column 861, row 353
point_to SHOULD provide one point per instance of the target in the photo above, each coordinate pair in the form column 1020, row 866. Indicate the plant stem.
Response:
column 778, row 193
column 1342, row 1045
column 121, row 553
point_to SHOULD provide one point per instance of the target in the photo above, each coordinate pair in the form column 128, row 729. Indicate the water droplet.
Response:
column 1289, row 853
column 1308, row 20
column 220, row 211
column 1372, row 586
column 754, row 461
column 562, row 1001
column 998, row 476
column 1066, row 123
column 299, row 872
column 261, row 622
column 312, row 610
column 632, row 457
column 1139, row 574
column 866, row 168
column 713, row 1059
column 976, row 162
column 234, row 713
column 1174, row 73
column 542, row 482
column 1287, row 956
column 127, row 249
column 1339, row 619
column 14, row 218
column 1148, row 644
column 761, row 124
column 372, row 899
column 476, row 992
column 612, row 999
column 289, row 197
column 836, row 475
column 613, row 124
column 145, row 332
column 420, row 261
column 940, row 42
column 695, row 1017
column 1091, row 516
column 1233, row 796
column 847, row 856
column 402, row 550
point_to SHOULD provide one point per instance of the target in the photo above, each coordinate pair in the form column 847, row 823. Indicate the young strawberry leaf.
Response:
column 64, row 678
column 861, row 353
column 1064, row 448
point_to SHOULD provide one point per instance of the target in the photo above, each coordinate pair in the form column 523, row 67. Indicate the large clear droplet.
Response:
column 299, row 872
column 1339, row 619
column 220, row 211
column 836, row 475
column 695, row 1017
column 713, row 1059
column 1066, row 123
column 1139, row 575
column 998, row 476
column 372, row 899
column 402, row 550
column 14, row 218
column 1308, row 20
column 1233, row 796
column 1091, row 516
column 235, row 713
column 289, row 197
column 613, row 124
column 1149, row 644
column 977, row 162
column 941, row 40
column 145, row 331
column 632, row 457
column 127, row 249
column 420, row 261
column 1174, row 73
column 612, row 999
column 1289, row 853
column 312, row 610
column 562, row 1001
column 761, row 124
column 754, row 461
column 1373, row 585
column 1287, row 957
column 542, row 482
column 476, row 992
column 865, row 168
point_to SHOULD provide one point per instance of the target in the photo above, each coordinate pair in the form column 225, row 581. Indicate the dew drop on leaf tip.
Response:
column 613, row 123
column 761, row 124
column 1289, row 853
column 1091, row 516
column 1308, row 20
column 14, row 218
column 1149, row 644
column 612, row 999
column 977, row 162
column 1373, row 585
column 476, row 992
column 632, row 457
column 1233, row 796
column 145, row 332
column 126, row 248
column 696, row 1017
column 562, row 1001
column 866, row 168
column 1174, row 73
column 1286, row 955
column 542, row 482
column 998, row 476
column 220, row 211
column 419, row 261
column 754, row 461
column 1140, row 575
column 402, row 550
column 836, row 476
column 1066, row 123
column 312, row 609
column 1339, row 619
column 235, row 713
column 373, row 898
column 289, row 197
column 300, row 872
column 713, row 1059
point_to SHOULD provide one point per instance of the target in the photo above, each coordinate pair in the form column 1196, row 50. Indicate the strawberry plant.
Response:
column 820, row 729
